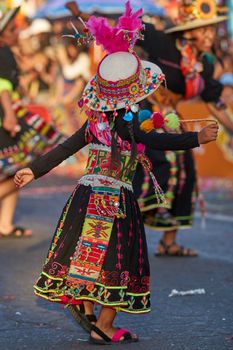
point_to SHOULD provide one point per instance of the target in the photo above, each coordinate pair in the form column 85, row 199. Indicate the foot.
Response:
column 108, row 335
column 15, row 232
column 174, row 249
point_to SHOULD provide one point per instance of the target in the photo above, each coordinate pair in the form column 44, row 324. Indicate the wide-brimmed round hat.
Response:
column 122, row 80
column 195, row 14
column 8, row 17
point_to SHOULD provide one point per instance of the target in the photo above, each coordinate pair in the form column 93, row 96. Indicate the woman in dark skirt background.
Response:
column 23, row 135
column 99, row 253
column 189, row 73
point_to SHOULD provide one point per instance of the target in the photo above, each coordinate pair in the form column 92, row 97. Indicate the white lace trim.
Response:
column 95, row 180
column 100, row 147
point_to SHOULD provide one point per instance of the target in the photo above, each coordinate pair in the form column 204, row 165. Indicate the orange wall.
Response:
column 211, row 159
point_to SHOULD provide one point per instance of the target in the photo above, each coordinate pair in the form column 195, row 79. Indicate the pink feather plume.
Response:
column 112, row 38
column 129, row 20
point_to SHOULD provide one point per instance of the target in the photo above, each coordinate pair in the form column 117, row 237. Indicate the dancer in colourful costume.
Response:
column 183, row 57
column 99, row 253
column 23, row 135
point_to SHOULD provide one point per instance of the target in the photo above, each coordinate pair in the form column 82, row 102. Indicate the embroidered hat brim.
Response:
column 196, row 23
column 153, row 79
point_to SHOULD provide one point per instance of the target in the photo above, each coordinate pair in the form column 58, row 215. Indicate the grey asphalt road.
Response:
column 197, row 322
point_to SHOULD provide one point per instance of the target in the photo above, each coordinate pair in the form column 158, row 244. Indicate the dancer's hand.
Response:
column 208, row 133
column 23, row 177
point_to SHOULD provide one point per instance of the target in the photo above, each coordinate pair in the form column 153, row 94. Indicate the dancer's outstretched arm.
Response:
column 167, row 141
column 50, row 160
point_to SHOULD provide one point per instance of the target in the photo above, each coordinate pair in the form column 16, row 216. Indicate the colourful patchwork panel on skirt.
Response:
column 86, row 263
column 87, row 260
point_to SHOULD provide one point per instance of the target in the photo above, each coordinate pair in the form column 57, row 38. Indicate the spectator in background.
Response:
column 38, row 65
column 23, row 135
column 75, row 65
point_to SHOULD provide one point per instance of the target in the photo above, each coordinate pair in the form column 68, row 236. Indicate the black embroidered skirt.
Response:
column 175, row 173
column 123, row 281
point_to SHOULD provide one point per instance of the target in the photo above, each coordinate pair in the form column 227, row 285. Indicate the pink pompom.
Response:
column 158, row 120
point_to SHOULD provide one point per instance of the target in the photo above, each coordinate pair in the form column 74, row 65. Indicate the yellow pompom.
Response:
column 147, row 125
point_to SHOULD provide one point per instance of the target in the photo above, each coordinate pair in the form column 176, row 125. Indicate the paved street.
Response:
column 197, row 322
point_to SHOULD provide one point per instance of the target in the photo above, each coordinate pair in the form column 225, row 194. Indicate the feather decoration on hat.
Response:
column 130, row 21
column 103, row 33
column 123, row 36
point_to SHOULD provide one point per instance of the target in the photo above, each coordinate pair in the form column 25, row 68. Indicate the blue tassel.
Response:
column 128, row 117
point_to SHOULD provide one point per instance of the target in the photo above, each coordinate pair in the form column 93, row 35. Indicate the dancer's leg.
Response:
column 105, row 322
column 8, row 202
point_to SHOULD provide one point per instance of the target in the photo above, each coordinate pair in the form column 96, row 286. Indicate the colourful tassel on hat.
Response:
column 128, row 117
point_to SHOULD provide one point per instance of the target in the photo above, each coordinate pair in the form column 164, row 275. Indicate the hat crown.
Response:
column 119, row 74
column 118, row 66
